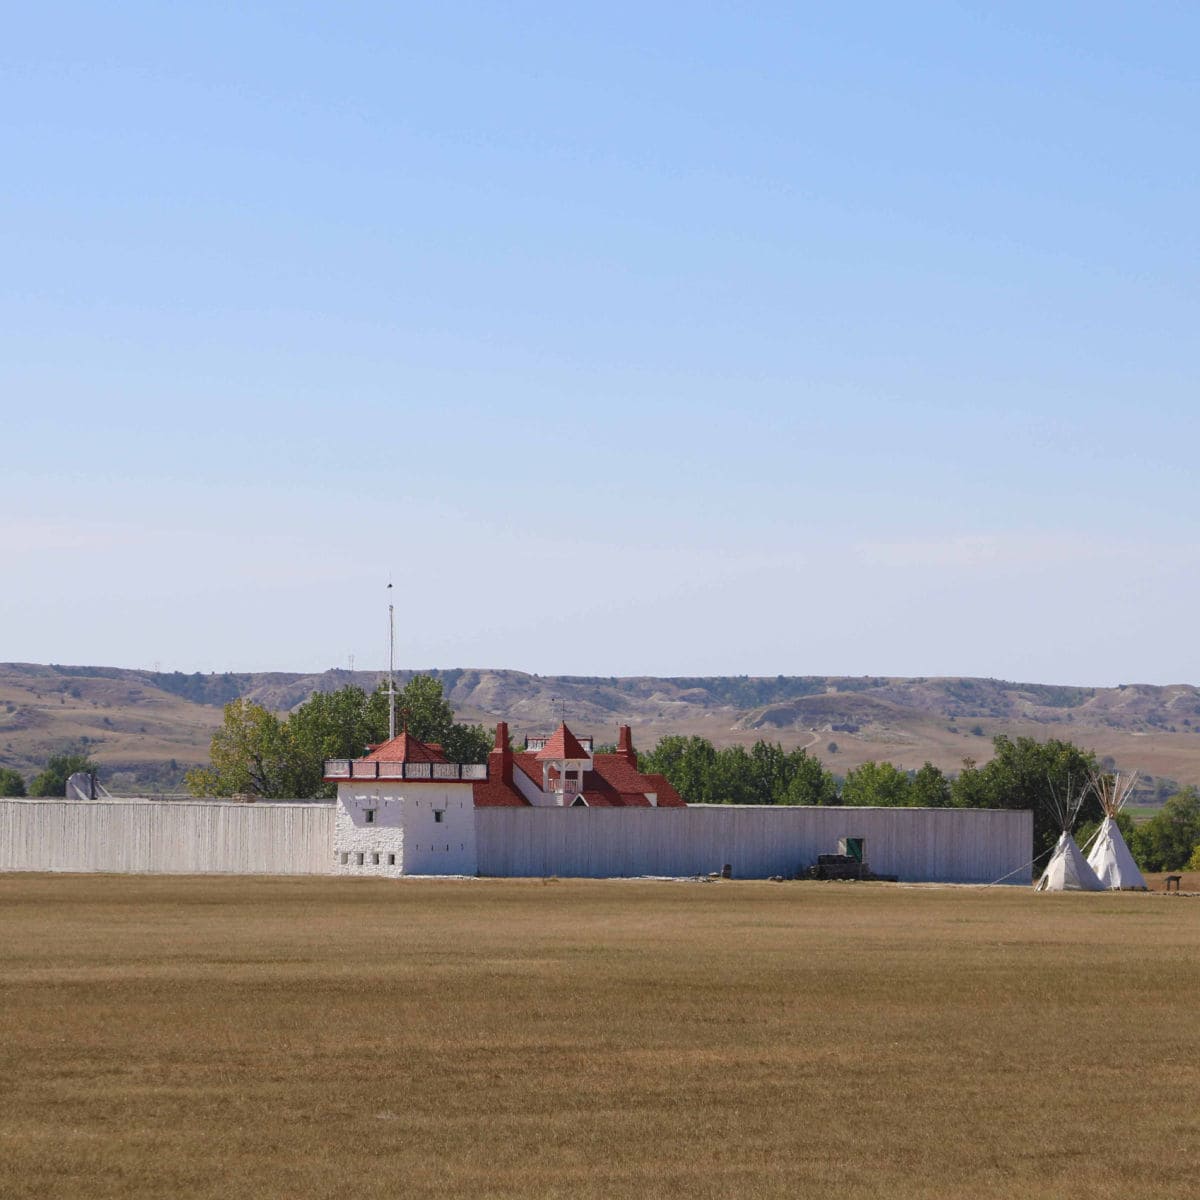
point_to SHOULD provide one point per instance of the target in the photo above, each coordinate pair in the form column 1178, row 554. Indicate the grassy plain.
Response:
column 317, row 1038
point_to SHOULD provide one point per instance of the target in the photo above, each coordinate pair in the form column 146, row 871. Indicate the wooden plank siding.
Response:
column 166, row 837
column 915, row 844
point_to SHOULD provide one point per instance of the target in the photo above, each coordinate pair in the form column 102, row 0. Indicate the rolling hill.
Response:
column 147, row 728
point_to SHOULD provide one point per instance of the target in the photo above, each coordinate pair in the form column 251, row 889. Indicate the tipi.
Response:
column 1110, row 857
column 1067, row 870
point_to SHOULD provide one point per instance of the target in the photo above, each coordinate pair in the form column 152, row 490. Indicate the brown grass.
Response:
column 320, row 1038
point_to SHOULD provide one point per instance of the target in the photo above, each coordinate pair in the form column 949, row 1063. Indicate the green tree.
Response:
column 688, row 762
column 969, row 789
column 1167, row 841
column 12, row 783
column 1026, row 773
column 256, row 752
column 877, row 785
column 328, row 725
column 764, row 774
column 251, row 753
column 59, row 768
column 808, row 781
column 422, row 709
column 734, row 779
column 930, row 788
column 769, row 772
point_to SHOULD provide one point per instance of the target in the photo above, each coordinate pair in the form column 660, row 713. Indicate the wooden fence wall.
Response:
column 915, row 844
column 166, row 837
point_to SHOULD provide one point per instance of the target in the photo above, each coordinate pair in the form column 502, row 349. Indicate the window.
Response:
column 345, row 858
column 369, row 816
column 391, row 860
column 374, row 860
column 359, row 856
column 439, row 815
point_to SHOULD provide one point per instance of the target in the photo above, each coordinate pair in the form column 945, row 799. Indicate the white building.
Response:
column 404, row 809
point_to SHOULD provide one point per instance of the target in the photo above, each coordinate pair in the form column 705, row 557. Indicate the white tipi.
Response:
column 1110, row 857
column 1067, row 870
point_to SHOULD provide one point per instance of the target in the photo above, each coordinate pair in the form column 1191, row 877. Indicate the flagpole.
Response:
column 391, row 669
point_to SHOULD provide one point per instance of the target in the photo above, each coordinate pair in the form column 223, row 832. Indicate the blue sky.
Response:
column 663, row 339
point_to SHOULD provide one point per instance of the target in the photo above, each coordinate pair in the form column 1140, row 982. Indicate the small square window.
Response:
column 345, row 858
column 359, row 856
column 439, row 815
column 375, row 860
column 391, row 860
column 369, row 816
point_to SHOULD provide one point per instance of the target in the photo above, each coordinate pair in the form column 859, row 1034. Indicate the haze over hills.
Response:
column 147, row 728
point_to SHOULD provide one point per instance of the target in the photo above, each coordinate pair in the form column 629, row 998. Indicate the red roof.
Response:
column 668, row 797
column 493, row 792
column 562, row 744
column 406, row 748
column 613, row 782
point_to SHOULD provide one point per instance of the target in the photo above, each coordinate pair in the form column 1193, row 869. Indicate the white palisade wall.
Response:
column 221, row 837
column 192, row 837
column 915, row 844
column 406, row 835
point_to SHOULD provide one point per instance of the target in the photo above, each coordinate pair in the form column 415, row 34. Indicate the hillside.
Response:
column 147, row 727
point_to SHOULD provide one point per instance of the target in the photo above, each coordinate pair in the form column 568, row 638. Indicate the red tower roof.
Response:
column 406, row 748
column 563, row 744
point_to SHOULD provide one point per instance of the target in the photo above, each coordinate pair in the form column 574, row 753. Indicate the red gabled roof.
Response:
column 613, row 781
column 493, row 792
column 668, row 797
column 529, row 764
column 406, row 748
column 562, row 744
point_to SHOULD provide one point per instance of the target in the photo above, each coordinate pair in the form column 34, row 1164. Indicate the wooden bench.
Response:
column 1173, row 879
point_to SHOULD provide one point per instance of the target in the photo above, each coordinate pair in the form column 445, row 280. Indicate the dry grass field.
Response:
column 318, row 1038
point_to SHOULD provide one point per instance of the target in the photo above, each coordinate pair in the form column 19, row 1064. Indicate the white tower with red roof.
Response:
column 404, row 809
column 564, row 759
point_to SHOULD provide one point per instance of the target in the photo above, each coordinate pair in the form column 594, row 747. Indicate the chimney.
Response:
column 501, row 755
column 625, row 745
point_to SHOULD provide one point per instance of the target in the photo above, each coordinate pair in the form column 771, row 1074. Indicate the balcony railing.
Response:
column 538, row 742
column 358, row 768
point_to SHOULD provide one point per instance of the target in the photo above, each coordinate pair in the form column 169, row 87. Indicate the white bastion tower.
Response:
column 404, row 810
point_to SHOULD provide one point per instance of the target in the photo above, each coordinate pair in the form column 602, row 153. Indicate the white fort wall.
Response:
column 215, row 837
column 166, row 837
column 915, row 844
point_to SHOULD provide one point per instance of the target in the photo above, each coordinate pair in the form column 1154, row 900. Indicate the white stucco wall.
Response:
column 915, row 844
column 406, row 829
column 191, row 837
